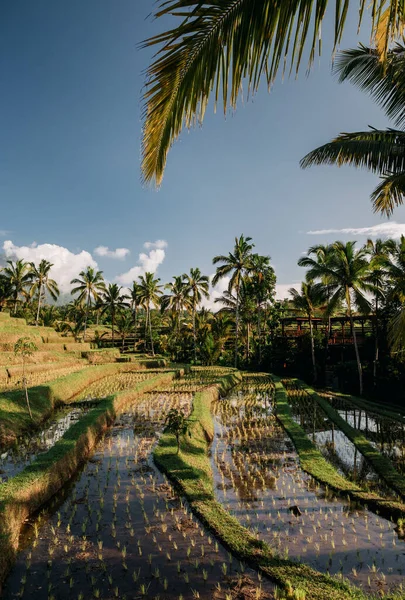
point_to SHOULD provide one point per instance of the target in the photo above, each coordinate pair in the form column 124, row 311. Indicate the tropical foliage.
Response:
column 216, row 46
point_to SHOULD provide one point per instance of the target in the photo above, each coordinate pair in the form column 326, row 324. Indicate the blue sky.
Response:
column 70, row 117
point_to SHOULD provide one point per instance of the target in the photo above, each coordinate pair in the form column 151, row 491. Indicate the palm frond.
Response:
column 389, row 193
column 385, row 81
column 218, row 45
column 380, row 151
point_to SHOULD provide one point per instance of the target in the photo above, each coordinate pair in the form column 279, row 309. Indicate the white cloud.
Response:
column 215, row 292
column 282, row 289
column 390, row 229
column 159, row 244
column 118, row 253
column 66, row 264
column 147, row 262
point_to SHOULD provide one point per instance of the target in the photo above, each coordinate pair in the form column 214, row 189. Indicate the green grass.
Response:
column 393, row 412
column 381, row 464
column 315, row 464
column 14, row 417
column 24, row 494
column 191, row 471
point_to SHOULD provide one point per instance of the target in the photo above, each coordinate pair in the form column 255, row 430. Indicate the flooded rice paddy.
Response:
column 258, row 479
column 120, row 531
column 28, row 447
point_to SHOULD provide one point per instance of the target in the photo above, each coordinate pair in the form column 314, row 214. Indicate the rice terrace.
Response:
column 204, row 421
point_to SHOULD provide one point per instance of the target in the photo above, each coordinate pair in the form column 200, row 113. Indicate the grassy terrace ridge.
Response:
column 381, row 464
column 25, row 493
column 191, row 471
column 313, row 463
column 395, row 413
column 44, row 398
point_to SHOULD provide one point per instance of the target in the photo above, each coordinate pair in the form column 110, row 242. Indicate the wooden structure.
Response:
column 340, row 333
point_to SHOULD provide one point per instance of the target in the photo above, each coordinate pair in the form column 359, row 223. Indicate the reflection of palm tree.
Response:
column 236, row 264
column 89, row 288
column 197, row 286
column 42, row 284
column 112, row 301
column 347, row 270
column 150, row 292
column 222, row 45
column 311, row 297
column 380, row 151
column 19, row 277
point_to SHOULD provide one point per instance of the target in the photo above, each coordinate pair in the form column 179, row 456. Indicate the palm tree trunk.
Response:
column 356, row 349
column 248, row 340
column 259, row 333
column 236, row 326
column 87, row 314
column 146, row 328
column 312, row 347
column 194, row 335
column 151, row 337
column 376, row 349
column 112, row 325
column 39, row 305
column 135, row 307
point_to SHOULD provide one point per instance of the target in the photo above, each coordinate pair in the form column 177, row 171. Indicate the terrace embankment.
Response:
column 14, row 417
column 380, row 463
column 192, row 473
column 29, row 490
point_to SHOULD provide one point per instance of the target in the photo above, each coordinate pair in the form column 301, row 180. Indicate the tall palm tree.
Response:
column 41, row 283
column 378, row 250
column 18, row 276
column 196, row 287
column 263, row 282
column 311, row 297
column 236, row 264
column 394, row 266
column 112, row 301
column 347, row 271
column 124, row 326
column 380, row 151
column 150, row 292
column 218, row 45
column 177, row 300
column 89, row 288
column 135, row 295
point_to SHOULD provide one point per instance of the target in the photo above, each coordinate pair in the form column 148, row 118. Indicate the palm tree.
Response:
column 18, row 276
column 135, row 296
column 378, row 251
column 6, row 291
column 237, row 264
column 112, row 301
column 177, row 300
column 311, row 297
column 124, row 326
column 394, row 266
column 222, row 45
column 150, row 292
column 41, row 283
column 263, row 282
column 89, row 288
column 380, row 151
column 196, row 287
column 347, row 270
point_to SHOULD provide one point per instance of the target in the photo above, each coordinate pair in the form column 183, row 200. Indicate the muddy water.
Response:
column 258, row 478
column 120, row 531
column 15, row 459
